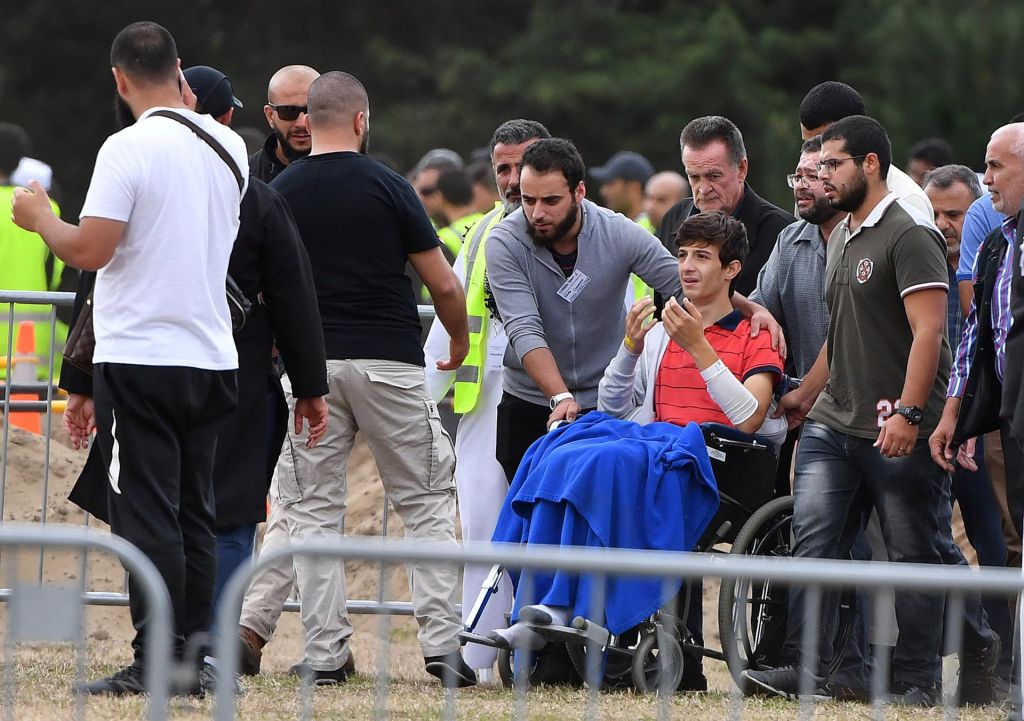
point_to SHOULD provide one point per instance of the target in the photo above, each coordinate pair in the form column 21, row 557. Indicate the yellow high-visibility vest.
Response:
column 641, row 289
column 27, row 264
column 469, row 376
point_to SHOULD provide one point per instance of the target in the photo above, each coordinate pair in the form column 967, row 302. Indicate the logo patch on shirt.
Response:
column 864, row 269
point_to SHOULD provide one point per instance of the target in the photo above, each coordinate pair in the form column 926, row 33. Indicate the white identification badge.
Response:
column 573, row 286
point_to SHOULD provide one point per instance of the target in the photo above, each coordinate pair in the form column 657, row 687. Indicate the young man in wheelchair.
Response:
column 699, row 365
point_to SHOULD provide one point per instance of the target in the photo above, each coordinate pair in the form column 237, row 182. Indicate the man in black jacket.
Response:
column 286, row 115
column 715, row 161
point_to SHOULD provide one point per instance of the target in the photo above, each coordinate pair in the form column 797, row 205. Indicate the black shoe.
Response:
column 979, row 682
column 453, row 671
column 127, row 681
column 841, row 692
column 911, row 694
column 325, row 678
column 208, row 683
column 783, row 681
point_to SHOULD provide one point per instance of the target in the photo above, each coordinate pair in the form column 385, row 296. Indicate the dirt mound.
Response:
column 26, row 484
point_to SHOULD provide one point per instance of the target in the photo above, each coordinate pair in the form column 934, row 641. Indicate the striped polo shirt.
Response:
column 680, row 395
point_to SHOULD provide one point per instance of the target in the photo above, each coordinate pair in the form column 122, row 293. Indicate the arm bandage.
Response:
column 725, row 389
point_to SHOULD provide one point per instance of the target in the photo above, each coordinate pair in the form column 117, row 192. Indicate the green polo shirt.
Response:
column 896, row 252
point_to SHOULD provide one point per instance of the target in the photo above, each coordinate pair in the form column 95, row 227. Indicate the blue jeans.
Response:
column 839, row 478
column 234, row 547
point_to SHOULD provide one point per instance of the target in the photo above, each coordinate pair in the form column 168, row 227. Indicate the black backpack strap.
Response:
column 210, row 140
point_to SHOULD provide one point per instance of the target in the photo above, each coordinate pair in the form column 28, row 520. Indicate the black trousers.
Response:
column 157, row 431
column 519, row 424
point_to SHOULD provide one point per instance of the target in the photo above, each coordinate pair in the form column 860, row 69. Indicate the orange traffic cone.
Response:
column 24, row 371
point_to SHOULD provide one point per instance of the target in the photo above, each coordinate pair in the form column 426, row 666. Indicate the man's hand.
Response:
column 795, row 406
column 80, row 420
column 566, row 411
column 760, row 320
column 314, row 410
column 458, row 349
column 639, row 321
column 939, row 440
column 897, row 437
column 965, row 455
column 30, row 208
column 187, row 96
column 684, row 324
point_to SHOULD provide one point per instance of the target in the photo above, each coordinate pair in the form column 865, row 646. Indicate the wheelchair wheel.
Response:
column 652, row 661
column 752, row 614
column 616, row 666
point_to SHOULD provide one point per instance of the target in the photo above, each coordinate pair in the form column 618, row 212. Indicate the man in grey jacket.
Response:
column 558, row 269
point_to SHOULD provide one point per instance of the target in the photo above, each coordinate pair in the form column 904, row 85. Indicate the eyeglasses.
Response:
column 289, row 112
column 832, row 164
column 794, row 179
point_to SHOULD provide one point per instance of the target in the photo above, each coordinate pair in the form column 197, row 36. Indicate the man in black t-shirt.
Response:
column 361, row 223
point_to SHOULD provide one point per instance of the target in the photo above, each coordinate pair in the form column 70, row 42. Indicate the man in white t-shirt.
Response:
column 158, row 224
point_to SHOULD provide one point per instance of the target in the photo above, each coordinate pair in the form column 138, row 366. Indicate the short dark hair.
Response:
column 558, row 154
column 862, row 135
column 145, row 51
column 944, row 176
column 701, row 132
column 717, row 229
column 811, row 145
column 455, row 186
column 514, row 132
column 334, row 98
column 828, row 102
column 934, row 151
column 14, row 145
column 481, row 173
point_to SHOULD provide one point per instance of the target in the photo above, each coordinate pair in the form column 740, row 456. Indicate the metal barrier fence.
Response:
column 54, row 613
column 879, row 580
column 49, row 404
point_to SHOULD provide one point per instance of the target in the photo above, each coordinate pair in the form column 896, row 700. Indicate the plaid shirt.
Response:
column 1001, row 320
column 791, row 285
column 954, row 326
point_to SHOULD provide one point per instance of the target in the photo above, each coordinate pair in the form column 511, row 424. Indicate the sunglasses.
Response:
column 289, row 112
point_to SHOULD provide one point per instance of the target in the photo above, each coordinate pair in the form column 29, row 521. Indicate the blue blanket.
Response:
column 608, row 483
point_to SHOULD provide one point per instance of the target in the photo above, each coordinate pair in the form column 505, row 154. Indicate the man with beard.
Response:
column 288, row 118
column 340, row 197
column 480, row 481
column 864, row 443
column 559, row 269
column 161, row 205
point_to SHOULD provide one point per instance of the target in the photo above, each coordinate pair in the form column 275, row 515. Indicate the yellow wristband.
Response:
column 630, row 345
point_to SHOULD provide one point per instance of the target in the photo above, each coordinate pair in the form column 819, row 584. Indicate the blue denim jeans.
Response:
column 234, row 547
column 839, row 479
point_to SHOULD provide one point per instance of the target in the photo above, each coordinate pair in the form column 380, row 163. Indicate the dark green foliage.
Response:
column 611, row 74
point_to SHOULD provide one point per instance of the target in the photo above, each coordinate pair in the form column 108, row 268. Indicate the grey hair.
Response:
column 944, row 176
column 701, row 132
column 514, row 132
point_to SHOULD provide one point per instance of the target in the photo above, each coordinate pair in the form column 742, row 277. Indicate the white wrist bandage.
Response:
column 725, row 389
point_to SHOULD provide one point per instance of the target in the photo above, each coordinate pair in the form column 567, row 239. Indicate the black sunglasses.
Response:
column 289, row 112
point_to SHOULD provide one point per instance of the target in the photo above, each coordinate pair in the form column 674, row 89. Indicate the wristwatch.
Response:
column 554, row 400
column 913, row 414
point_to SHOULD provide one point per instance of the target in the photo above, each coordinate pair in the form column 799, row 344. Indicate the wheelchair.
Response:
column 752, row 615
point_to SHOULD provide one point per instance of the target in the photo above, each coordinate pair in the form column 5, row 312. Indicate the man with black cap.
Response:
column 214, row 94
column 622, row 181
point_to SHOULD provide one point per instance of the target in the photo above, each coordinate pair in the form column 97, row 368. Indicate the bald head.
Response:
column 663, row 190
column 334, row 100
column 289, row 81
column 1004, row 168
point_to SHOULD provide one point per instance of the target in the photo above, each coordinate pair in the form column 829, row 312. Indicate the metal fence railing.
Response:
column 878, row 580
column 54, row 613
column 47, row 400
